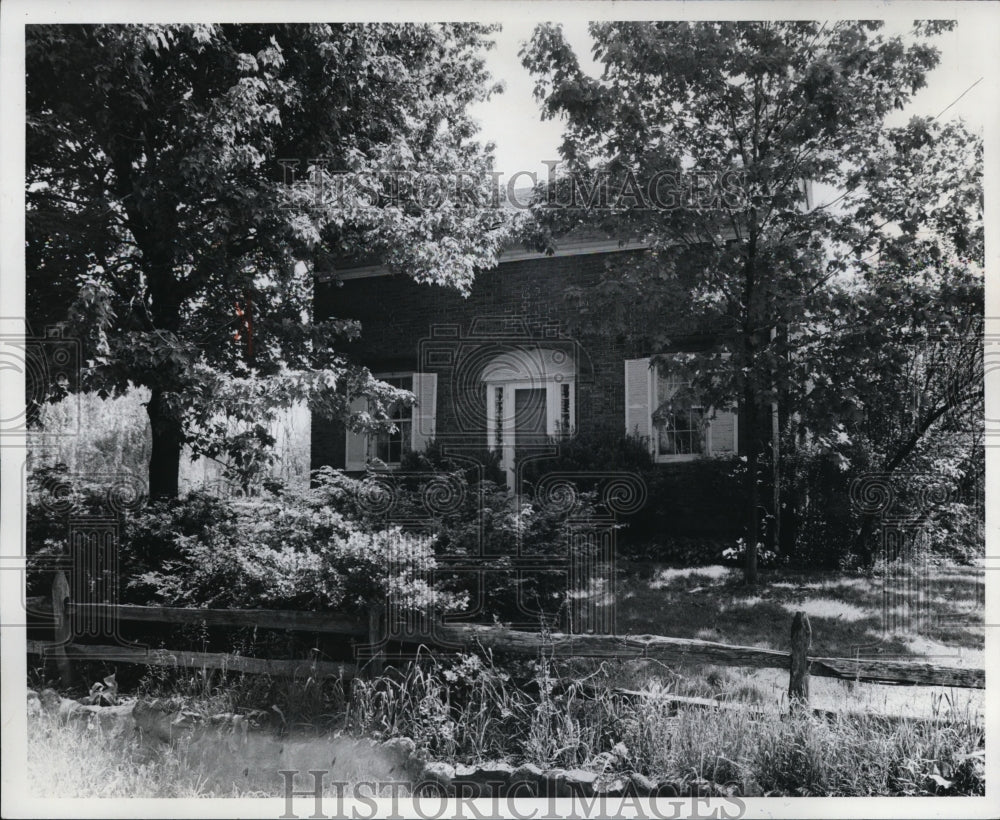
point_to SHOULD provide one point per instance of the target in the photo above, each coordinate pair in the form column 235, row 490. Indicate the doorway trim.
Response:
column 528, row 368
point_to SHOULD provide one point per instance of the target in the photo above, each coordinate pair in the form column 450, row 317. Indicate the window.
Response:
column 415, row 425
column 389, row 447
column 678, row 418
column 663, row 410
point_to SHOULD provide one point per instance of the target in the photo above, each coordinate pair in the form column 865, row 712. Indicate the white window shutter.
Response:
column 637, row 398
column 425, row 410
column 723, row 432
column 356, row 451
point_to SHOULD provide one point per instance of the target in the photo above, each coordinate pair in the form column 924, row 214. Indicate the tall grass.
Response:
column 471, row 709
column 82, row 759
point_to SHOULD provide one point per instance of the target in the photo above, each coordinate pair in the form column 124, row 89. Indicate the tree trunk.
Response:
column 752, row 489
column 752, row 438
column 165, row 459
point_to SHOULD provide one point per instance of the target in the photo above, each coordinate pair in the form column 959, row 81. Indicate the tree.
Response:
column 894, row 366
column 704, row 134
column 178, row 204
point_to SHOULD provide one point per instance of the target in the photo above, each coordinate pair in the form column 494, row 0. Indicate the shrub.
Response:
column 292, row 550
column 289, row 553
column 482, row 531
column 685, row 501
column 735, row 555
column 52, row 499
column 939, row 500
column 476, row 465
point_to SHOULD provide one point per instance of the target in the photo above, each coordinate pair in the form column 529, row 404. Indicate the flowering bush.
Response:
column 289, row 552
column 343, row 544
column 484, row 531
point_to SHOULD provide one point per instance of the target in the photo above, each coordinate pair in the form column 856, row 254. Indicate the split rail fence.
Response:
column 674, row 651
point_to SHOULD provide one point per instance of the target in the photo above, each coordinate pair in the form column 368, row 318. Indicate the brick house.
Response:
column 503, row 370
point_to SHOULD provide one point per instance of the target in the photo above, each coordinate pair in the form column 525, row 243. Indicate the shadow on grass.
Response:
column 930, row 617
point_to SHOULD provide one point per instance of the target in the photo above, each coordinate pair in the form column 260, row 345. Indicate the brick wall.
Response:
column 519, row 302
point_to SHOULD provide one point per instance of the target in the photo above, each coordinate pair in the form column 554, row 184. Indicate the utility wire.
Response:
column 977, row 82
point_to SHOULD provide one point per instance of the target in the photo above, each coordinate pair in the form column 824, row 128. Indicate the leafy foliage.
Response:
column 484, row 531
column 287, row 553
column 687, row 516
column 837, row 311
column 292, row 551
column 330, row 548
column 164, row 228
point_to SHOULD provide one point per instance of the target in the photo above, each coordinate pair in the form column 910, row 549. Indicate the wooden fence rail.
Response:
column 683, row 651
column 200, row 660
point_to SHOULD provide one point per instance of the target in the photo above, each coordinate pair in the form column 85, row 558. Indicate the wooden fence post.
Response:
column 63, row 631
column 798, row 679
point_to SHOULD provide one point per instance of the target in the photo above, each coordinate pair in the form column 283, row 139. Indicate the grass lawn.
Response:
column 936, row 617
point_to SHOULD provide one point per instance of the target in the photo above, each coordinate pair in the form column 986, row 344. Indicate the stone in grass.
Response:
column 401, row 747
column 113, row 720
column 670, row 788
column 402, row 756
column 437, row 772
column 641, row 786
column 158, row 719
column 50, row 700
column 700, row 787
column 485, row 780
column 611, row 785
column 581, row 782
column 560, row 783
column 528, row 780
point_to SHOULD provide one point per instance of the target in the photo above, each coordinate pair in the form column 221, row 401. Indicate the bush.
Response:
column 287, row 552
column 293, row 550
column 736, row 554
column 431, row 540
column 476, row 465
column 686, row 502
column 52, row 500
column 482, row 532
column 938, row 500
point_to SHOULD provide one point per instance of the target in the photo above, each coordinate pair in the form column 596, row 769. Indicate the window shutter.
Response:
column 425, row 410
column 723, row 433
column 356, row 451
column 637, row 400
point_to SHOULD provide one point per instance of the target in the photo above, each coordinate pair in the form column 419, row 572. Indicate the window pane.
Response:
column 389, row 447
column 678, row 417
